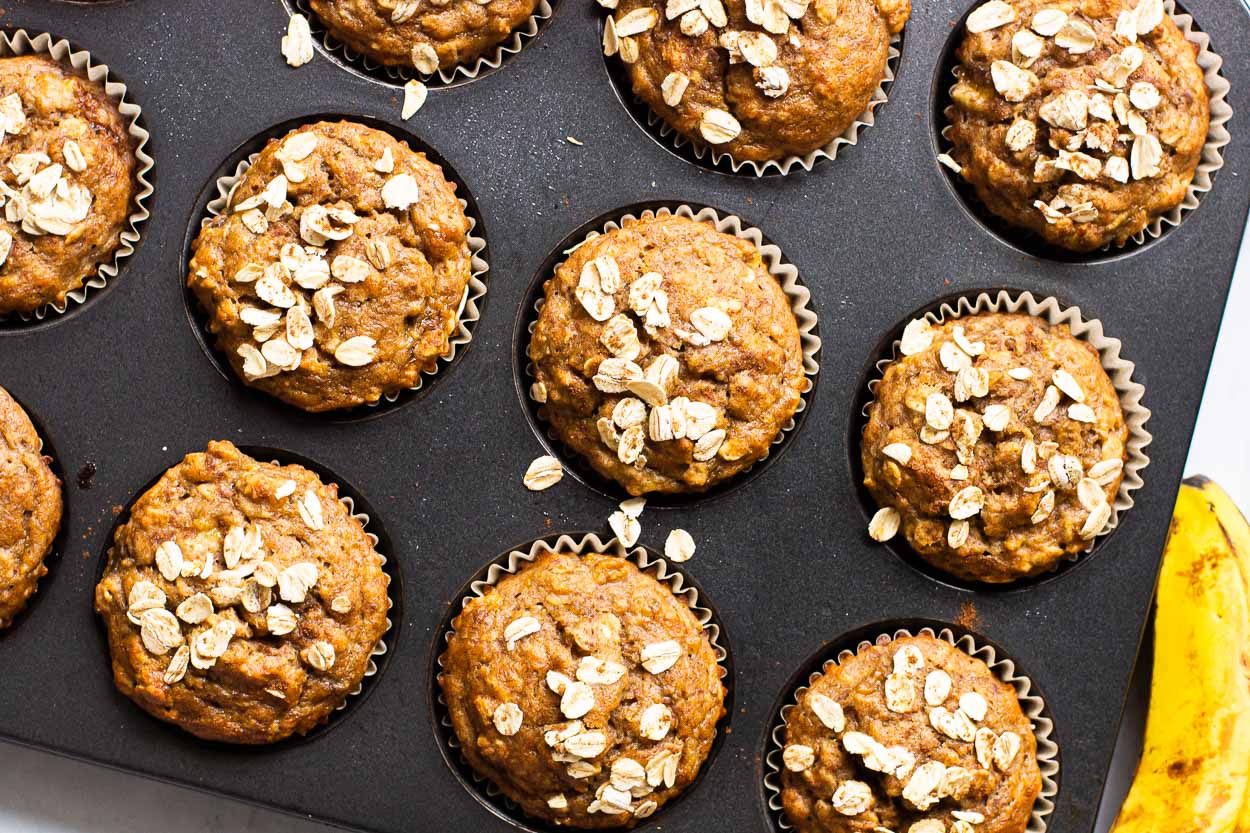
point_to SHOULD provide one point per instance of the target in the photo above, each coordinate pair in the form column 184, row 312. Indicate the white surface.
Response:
column 41, row 793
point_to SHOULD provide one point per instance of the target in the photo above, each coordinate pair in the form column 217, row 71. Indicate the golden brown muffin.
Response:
column 759, row 80
column 913, row 736
column 425, row 34
column 997, row 443
column 67, row 178
column 30, row 509
column 667, row 355
column 1080, row 120
column 242, row 599
column 336, row 274
column 584, row 689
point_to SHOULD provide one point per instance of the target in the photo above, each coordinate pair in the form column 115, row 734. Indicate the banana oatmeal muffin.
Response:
column 336, row 273
column 1080, row 121
column 242, row 600
column 667, row 355
column 30, row 509
column 911, row 736
column 760, row 80
column 427, row 35
column 584, row 689
column 67, row 181
column 996, row 443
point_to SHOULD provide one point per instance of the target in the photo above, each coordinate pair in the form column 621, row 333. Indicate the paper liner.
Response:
column 785, row 272
column 467, row 314
column 482, row 64
column 1003, row 668
column 510, row 564
column 20, row 42
column 1118, row 369
column 783, row 166
column 1211, row 159
column 380, row 648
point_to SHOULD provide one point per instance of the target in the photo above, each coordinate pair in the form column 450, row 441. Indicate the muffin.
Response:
column 67, row 178
column 584, row 689
column 739, row 77
column 996, row 443
column 427, row 35
column 30, row 509
column 335, row 275
column 1079, row 121
column 666, row 355
column 913, row 736
column 242, row 600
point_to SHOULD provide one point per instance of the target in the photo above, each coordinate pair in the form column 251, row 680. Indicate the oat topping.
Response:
column 543, row 473
column 297, row 45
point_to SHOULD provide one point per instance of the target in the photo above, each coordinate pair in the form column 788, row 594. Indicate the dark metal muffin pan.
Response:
column 785, row 561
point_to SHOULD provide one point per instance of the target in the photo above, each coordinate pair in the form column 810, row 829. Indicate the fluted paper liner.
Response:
column 1003, row 668
column 489, row 62
column 512, row 563
column 1217, row 131
column 786, row 273
column 786, row 164
column 466, row 315
column 1118, row 369
column 21, row 42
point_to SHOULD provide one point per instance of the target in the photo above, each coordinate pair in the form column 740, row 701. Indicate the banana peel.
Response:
column 1192, row 777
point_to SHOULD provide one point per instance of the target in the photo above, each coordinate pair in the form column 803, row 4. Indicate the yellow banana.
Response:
column 1193, row 772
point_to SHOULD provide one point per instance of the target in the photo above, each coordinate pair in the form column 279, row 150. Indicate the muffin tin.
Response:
column 122, row 383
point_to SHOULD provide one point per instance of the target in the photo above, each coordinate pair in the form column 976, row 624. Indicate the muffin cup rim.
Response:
column 514, row 561
column 19, row 42
column 469, row 311
column 784, row 271
column 1002, row 668
column 1210, row 160
column 490, row 61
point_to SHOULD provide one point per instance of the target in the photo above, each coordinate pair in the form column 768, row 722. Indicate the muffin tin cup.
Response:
column 21, row 42
column 379, row 650
column 786, row 273
column 1118, row 369
column 1002, row 667
column 467, row 314
column 1212, row 158
column 460, row 73
column 512, row 563
column 708, row 154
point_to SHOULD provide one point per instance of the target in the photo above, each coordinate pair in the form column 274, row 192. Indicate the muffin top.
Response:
column 583, row 688
column 425, row 34
column 759, row 80
column 913, row 736
column 242, row 599
column 667, row 355
column 336, row 273
column 30, row 509
column 67, row 178
column 997, row 442
column 1081, row 120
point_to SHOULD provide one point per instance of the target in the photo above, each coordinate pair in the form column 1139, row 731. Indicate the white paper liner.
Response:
column 1211, row 159
column 1118, row 369
column 483, row 63
column 850, row 136
column 657, row 567
column 468, row 312
column 1003, row 668
column 786, row 273
column 20, row 42
column 380, row 648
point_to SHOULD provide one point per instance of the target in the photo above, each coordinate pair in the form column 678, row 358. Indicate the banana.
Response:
column 1192, row 777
